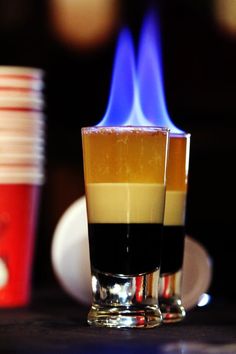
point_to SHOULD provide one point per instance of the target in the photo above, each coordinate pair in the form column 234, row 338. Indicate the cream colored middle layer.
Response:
column 175, row 206
column 125, row 202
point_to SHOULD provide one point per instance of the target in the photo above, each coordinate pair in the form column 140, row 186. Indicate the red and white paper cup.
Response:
column 22, row 157
column 18, row 220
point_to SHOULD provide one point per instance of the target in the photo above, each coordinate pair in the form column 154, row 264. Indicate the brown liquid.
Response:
column 172, row 249
column 125, row 249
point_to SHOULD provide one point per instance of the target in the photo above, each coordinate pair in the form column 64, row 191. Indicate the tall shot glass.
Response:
column 124, row 170
column 174, row 229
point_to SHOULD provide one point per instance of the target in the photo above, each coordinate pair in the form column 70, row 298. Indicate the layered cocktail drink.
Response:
column 174, row 228
column 124, row 170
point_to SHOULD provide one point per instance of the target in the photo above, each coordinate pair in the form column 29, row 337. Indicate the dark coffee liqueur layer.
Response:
column 128, row 249
column 172, row 249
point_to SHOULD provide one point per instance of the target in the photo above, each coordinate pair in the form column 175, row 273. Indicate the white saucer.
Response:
column 70, row 259
column 70, row 252
column 197, row 272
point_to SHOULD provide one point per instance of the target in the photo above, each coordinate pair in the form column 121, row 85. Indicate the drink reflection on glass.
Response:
column 124, row 169
column 174, row 228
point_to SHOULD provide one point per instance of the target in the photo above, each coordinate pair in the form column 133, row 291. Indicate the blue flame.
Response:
column 137, row 93
column 124, row 106
column 123, row 81
column 150, row 79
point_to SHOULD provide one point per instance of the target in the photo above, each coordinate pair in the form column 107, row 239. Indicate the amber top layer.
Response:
column 124, row 154
column 178, row 162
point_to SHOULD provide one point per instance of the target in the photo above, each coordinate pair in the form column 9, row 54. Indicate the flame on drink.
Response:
column 137, row 96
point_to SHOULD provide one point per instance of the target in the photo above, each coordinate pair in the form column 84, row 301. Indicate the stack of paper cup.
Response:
column 21, row 125
column 22, row 140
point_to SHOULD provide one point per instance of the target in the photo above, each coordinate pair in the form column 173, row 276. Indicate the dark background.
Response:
column 200, row 81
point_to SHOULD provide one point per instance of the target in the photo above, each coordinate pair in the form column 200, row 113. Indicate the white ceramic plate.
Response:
column 70, row 259
column 70, row 252
column 197, row 272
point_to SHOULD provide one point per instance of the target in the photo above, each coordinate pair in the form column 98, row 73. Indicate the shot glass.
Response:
column 174, row 229
column 125, row 171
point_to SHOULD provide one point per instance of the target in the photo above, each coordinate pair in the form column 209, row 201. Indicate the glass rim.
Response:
column 126, row 127
column 180, row 135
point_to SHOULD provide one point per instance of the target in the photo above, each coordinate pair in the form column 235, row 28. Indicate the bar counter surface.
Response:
column 53, row 323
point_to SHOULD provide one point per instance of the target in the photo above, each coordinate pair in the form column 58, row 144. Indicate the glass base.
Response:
column 130, row 317
column 125, row 301
column 172, row 310
column 170, row 297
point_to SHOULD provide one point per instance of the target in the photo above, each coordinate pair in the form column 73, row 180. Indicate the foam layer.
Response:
column 175, row 205
column 125, row 202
